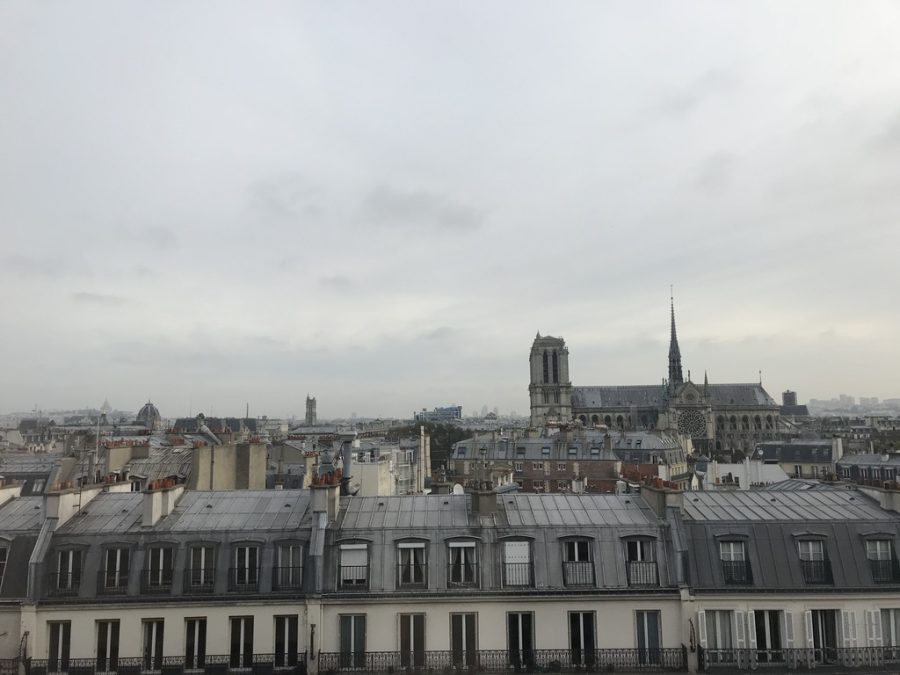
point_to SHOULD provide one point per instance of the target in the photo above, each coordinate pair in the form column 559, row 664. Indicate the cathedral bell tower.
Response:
column 550, row 389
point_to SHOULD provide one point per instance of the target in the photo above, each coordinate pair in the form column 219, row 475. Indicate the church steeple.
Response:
column 675, row 376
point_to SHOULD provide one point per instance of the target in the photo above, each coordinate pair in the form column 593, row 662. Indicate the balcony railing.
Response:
column 412, row 576
column 353, row 577
column 110, row 582
column 736, row 572
column 462, row 575
column 816, row 571
column 578, row 573
column 826, row 659
column 259, row 664
column 541, row 660
column 63, row 583
column 642, row 573
column 156, row 581
column 884, row 571
column 243, row 579
column 199, row 580
column 517, row 575
column 287, row 578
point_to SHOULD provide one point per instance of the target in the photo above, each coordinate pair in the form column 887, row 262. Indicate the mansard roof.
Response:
column 779, row 505
column 532, row 510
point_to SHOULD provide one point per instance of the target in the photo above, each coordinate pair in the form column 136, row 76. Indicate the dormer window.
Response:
column 114, row 577
column 463, row 566
column 815, row 566
column 578, row 568
column 545, row 451
column 880, row 553
column 244, row 575
column 640, row 562
column 735, row 568
column 411, row 570
column 517, row 563
column 158, row 574
column 354, row 571
column 288, row 571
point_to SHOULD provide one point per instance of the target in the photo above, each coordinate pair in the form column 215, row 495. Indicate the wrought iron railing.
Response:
column 816, row 571
column 63, row 583
column 736, row 572
column 353, row 577
column 156, row 581
column 9, row 666
column 517, row 574
column 258, row 664
column 462, row 575
column 287, row 578
column 578, row 573
column 642, row 573
column 202, row 580
column 799, row 659
column 884, row 571
column 243, row 579
column 111, row 582
column 538, row 660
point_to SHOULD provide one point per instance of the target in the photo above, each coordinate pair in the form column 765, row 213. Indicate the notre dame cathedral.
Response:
column 717, row 417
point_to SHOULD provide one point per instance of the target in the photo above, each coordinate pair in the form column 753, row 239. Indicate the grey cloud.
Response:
column 336, row 282
column 52, row 268
column 290, row 197
column 715, row 173
column 439, row 333
column 391, row 207
column 160, row 238
column 99, row 299
column 683, row 100
column 889, row 137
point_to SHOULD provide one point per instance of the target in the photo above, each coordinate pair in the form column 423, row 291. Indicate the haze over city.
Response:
column 382, row 203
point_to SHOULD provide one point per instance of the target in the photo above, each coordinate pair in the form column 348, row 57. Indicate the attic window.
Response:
column 595, row 451
column 461, row 450
column 545, row 451
column 573, row 451
column 637, row 443
column 520, row 451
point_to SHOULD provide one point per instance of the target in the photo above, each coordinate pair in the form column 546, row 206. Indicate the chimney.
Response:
column 484, row 499
column 326, row 497
column 346, row 461
column 160, row 499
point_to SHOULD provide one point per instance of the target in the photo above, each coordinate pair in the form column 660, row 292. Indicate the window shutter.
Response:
column 788, row 630
column 807, row 622
column 517, row 552
column 751, row 629
column 877, row 635
column 701, row 627
column 847, row 628
column 740, row 630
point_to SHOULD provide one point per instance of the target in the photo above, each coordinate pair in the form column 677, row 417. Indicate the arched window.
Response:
column 745, row 423
column 594, row 419
column 620, row 422
column 546, row 367
column 757, row 422
column 768, row 421
column 555, row 367
column 583, row 419
column 720, row 422
column 607, row 420
column 732, row 422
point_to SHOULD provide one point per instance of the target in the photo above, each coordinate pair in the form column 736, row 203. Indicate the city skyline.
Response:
column 384, row 211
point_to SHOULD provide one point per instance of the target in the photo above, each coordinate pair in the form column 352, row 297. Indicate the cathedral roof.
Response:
column 739, row 395
column 641, row 395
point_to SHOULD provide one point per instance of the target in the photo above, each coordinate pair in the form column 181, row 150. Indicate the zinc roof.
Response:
column 367, row 513
column 779, row 505
column 21, row 514
column 108, row 512
column 613, row 510
column 238, row 510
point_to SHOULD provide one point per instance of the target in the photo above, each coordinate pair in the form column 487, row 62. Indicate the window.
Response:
column 545, row 452
column 286, row 633
column 582, row 641
column 463, row 639
column 353, row 640
column 561, row 466
column 288, row 572
column 107, row 647
column 202, row 573
column 58, row 652
column 771, row 626
column 158, row 575
column 517, row 467
column 815, row 567
column 640, row 562
column 241, row 651
column 578, row 570
column 153, row 644
column 412, row 640
column 3, row 553
column 734, row 564
column 517, row 563
column 537, row 466
column 411, row 570
column 463, row 565
column 890, row 630
column 354, row 566
column 194, row 644
column 880, row 553
column 648, row 642
column 716, row 637
column 821, row 627
column 115, row 572
column 520, row 639
column 537, row 485
column 245, row 573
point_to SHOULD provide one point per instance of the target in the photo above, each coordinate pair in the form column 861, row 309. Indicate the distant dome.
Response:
column 149, row 416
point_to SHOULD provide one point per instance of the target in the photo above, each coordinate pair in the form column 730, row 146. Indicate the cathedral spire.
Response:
column 675, row 376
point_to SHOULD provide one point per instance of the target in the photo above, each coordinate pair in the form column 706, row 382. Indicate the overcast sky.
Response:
column 381, row 203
